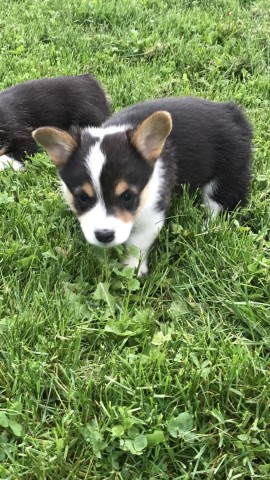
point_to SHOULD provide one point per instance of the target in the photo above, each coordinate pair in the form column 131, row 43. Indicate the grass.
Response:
column 101, row 376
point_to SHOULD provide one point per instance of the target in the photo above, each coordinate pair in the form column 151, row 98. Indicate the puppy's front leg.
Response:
column 143, row 236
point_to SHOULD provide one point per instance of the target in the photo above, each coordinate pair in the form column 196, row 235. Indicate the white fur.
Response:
column 148, row 223
column 94, row 163
column 100, row 132
column 207, row 192
column 6, row 161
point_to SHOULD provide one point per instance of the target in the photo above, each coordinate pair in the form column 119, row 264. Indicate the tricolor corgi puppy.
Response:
column 118, row 179
column 60, row 102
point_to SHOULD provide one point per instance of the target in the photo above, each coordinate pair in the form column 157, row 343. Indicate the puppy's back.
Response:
column 206, row 135
column 57, row 101
column 210, row 144
column 61, row 102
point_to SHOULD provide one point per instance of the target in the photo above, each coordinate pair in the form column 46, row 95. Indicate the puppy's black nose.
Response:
column 104, row 236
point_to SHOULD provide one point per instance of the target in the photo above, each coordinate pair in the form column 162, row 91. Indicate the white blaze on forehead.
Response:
column 96, row 159
column 94, row 164
column 100, row 132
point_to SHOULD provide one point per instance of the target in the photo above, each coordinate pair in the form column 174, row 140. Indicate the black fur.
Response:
column 122, row 163
column 209, row 141
column 60, row 102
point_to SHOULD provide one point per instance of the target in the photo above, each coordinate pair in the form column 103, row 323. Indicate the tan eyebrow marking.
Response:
column 126, row 216
column 88, row 189
column 121, row 187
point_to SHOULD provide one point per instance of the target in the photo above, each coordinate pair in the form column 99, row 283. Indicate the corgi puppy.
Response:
column 118, row 179
column 60, row 102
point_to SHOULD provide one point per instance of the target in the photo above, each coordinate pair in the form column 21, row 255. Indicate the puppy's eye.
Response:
column 83, row 201
column 127, row 196
column 83, row 198
column 128, row 199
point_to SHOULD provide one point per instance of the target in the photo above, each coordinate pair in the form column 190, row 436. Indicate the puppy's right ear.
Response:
column 58, row 144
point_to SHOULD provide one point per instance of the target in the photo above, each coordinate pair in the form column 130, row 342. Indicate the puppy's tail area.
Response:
column 240, row 118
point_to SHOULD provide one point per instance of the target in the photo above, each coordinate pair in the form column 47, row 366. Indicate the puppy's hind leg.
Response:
column 209, row 200
column 226, row 193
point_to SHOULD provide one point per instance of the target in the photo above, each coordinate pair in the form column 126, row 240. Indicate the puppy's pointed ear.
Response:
column 58, row 144
column 151, row 134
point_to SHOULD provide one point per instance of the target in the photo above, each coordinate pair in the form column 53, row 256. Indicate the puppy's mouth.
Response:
column 110, row 244
column 106, row 245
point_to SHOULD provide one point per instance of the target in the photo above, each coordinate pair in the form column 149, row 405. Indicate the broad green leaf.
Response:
column 265, row 469
column 128, row 446
column 27, row 260
column 119, row 327
column 190, row 437
column 127, row 272
column 177, row 309
column 125, row 327
column 135, row 446
column 133, row 431
column 140, row 442
column 6, row 322
column 156, row 437
column 4, row 422
column 243, row 438
column 78, row 305
column 159, row 338
column 93, row 435
column 133, row 284
column 5, row 198
column 2, row 455
column 102, row 293
column 118, row 430
column 179, row 426
column 16, row 428
column 15, row 407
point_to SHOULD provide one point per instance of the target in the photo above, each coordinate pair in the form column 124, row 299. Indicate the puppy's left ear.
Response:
column 151, row 134
column 58, row 144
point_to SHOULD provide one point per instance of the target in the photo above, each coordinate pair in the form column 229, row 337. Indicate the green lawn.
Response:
column 102, row 376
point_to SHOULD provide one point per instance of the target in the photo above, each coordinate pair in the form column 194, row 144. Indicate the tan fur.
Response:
column 143, row 198
column 58, row 144
column 3, row 150
column 121, row 187
column 125, row 216
column 150, row 136
column 129, row 217
column 88, row 189
column 69, row 198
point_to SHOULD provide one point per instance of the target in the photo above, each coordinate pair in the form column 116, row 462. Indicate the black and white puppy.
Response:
column 60, row 102
column 118, row 179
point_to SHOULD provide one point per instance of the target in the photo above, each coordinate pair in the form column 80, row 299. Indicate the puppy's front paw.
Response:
column 134, row 262
column 143, row 269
